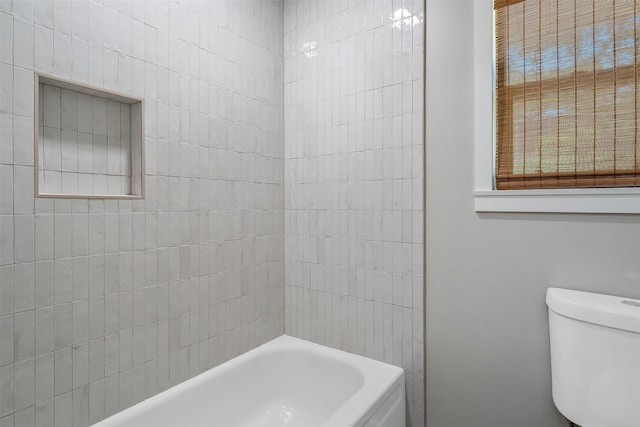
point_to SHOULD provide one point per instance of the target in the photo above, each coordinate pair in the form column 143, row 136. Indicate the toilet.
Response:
column 595, row 357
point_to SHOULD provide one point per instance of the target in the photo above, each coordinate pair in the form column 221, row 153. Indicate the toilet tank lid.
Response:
column 606, row 310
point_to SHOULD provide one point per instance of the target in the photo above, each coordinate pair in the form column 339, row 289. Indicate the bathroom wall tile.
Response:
column 96, row 401
column 44, row 237
column 44, row 377
column 24, row 245
column 80, row 21
column 96, row 317
column 63, row 406
column 139, row 307
column 52, row 146
column 110, row 64
column 111, row 391
column 43, row 14
column 85, row 114
column 163, row 372
column 126, row 388
column 151, row 345
column 25, row 417
column 6, row 390
column 23, row 36
column 111, row 237
column 63, row 282
column 100, row 147
column 126, row 350
column 111, row 354
column 44, row 413
column 80, row 321
column 96, row 34
column 24, row 335
column 62, row 55
column 63, row 228
column 63, row 206
column 6, row 153
column 126, row 271
column 6, row 330
column 110, row 27
column 80, row 406
column 6, row 185
column 79, row 206
column 80, row 363
column 44, row 286
column 96, row 360
column 7, row 85
column 100, row 182
column 24, row 277
column 62, row 17
column 89, row 301
column 139, row 383
column 138, row 229
column 63, row 328
column 44, row 330
column 63, row 372
column 69, row 182
column 96, row 243
column 7, row 36
column 23, row 190
column 7, row 275
column 69, row 110
column 80, row 246
column 151, row 378
column 69, row 150
column 99, row 117
column 23, row 141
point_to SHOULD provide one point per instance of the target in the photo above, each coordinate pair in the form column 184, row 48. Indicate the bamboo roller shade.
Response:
column 567, row 93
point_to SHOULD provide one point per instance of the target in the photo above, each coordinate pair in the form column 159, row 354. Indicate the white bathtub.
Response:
column 285, row 382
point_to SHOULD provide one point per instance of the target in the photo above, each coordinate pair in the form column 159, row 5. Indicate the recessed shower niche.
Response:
column 88, row 142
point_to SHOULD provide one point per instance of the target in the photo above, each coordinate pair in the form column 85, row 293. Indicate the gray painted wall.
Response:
column 486, row 323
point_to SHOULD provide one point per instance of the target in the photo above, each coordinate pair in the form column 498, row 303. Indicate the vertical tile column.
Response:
column 354, row 180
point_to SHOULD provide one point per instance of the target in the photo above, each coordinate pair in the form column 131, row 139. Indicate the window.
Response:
column 565, row 93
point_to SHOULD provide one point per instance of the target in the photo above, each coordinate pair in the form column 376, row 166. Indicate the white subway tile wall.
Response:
column 354, row 180
column 104, row 303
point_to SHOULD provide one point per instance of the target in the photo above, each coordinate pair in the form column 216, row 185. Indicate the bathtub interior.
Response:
column 289, row 385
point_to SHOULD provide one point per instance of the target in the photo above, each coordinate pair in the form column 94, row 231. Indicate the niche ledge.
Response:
column 89, row 143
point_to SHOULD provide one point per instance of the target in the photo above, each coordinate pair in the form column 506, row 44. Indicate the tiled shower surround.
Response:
column 353, row 180
column 106, row 302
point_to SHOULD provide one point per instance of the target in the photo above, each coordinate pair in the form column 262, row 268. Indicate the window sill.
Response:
column 588, row 200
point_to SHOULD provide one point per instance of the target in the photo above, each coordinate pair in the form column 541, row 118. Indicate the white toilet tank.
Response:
column 595, row 357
